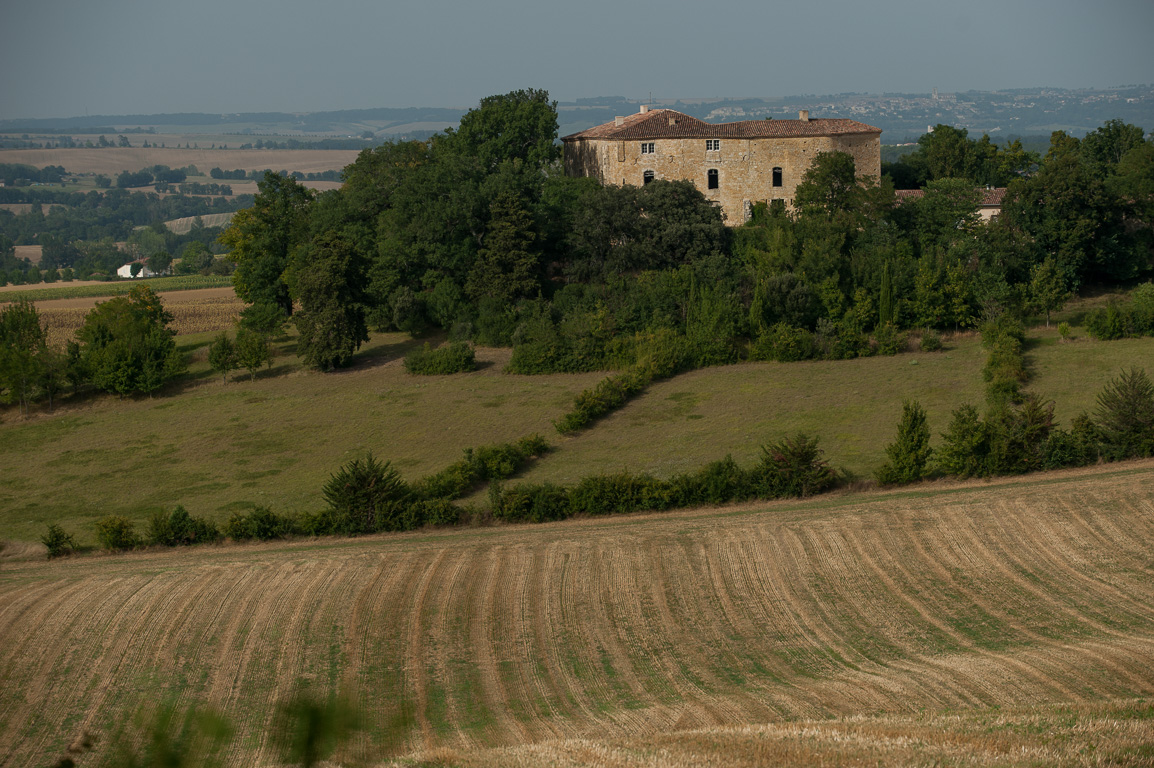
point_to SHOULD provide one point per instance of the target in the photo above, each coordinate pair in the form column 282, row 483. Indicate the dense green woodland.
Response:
column 477, row 231
column 78, row 231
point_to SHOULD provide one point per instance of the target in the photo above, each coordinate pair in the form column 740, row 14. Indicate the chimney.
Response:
column 619, row 120
column 644, row 108
column 803, row 115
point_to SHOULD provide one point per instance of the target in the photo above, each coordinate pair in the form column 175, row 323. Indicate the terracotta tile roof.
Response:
column 902, row 195
column 670, row 124
column 992, row 197
column 988, row 197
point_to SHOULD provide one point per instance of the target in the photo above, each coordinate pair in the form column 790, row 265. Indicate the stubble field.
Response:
column 1006, row 623
column 112, row 160
column 200, row 310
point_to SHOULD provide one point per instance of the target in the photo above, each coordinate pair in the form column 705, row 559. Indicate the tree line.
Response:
column 478, row 232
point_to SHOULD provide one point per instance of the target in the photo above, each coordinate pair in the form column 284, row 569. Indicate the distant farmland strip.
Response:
column 184, row 225
column 1014, row 594
column 193, row 311
column 118, row 288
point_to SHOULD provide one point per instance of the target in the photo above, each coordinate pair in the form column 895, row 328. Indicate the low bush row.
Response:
column 611, row 393
column 793, row 467
column 1019, row 437
column 364, row 496
column 1117, row 320
column 480, row 465
column 786, row 343
column 368, row 496
column 1005, row 369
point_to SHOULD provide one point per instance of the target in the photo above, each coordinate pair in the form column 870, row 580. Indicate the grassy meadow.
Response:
column 216, row 448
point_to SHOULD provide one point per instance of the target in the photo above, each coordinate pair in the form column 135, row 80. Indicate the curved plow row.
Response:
column 1029, row 593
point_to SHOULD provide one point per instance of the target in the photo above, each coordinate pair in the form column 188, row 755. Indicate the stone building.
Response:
column 733, row 164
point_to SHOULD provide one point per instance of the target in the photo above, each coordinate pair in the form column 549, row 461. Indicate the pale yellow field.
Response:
column 113, row 160
column 958, row 623
column 195, row 311
column 30, row 252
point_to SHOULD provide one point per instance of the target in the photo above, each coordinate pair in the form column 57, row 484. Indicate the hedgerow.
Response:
column 794, row 467
column 489, row 462
column 1133, row 317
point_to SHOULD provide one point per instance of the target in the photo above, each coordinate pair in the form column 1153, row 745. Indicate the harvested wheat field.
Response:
column 953, row 622
column 113, row 160
column 195, row 311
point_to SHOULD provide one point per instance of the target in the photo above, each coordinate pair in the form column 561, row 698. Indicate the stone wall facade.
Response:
column 746, row 170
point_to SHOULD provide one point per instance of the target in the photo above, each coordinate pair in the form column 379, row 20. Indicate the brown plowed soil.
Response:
column 638, row 640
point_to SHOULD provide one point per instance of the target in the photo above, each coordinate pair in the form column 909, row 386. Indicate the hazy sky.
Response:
column 64, row 58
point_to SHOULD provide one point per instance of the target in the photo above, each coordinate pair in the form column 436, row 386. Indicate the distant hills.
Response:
column 901, row 116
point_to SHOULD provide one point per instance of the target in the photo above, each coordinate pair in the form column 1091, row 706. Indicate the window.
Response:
column 713, row 182
column 777, row 177
column 712, row 145
column 647, row 148
column 646, row 177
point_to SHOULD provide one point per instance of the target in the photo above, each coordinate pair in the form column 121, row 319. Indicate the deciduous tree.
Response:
column 331, row 320
column 262, row 238
column 127, row 346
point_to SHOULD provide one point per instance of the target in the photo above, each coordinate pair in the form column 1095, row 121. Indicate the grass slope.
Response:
column 826, row 625
column 216, row 448
column 275, row 441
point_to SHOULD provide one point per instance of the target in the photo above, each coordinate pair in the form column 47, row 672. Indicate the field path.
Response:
column 1028, row 592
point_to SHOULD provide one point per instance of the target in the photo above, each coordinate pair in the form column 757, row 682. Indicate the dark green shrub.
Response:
column 663, row 353
column 793, row 467
column 1142, row 310
column 965, row 449
column 455, row 357
column 842, row 341
column 890, row 340
column 529, row 503
column 718, row 482
column 452, row 482
column 58, row 541
column 179, row 528
column 1106, row 324
column 495, row 322
column 931, row 341
column 785, row 344
column 1125, row 416
column 437, row 512
column 1075, row 448
column 115, row 532
column 908, row 455
column 619, row 493
column 497, row 461
column 1018, row 435
column 222, row 356
column 1133, row 317
column 367, row 496
column 261, row 523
